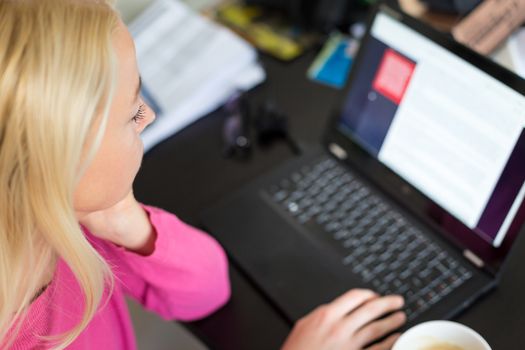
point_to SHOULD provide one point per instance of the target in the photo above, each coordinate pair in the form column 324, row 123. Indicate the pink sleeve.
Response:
column 186, row 276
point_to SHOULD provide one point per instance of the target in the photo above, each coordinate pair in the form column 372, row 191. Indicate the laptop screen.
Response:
column 451, row 130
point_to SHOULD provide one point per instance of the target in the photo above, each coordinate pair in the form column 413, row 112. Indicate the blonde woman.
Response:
column 73, row 239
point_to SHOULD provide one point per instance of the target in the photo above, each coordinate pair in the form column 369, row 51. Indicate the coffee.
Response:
column 443, row 346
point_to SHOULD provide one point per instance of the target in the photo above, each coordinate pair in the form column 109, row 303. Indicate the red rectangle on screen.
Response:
column 393, row 76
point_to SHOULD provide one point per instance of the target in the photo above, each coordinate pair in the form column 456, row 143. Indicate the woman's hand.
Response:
column 350, row 322
column 125, row 224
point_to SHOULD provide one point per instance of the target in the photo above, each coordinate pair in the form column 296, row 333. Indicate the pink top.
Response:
column 185, row 278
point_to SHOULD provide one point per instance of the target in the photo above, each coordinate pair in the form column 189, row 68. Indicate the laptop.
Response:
column 417, row 188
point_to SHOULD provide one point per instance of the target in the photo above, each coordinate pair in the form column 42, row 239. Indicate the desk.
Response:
column 187, row 173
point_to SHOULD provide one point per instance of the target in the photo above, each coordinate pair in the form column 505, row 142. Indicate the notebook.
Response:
column 418, row 188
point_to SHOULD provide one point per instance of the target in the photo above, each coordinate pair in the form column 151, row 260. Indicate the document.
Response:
column 189, row 66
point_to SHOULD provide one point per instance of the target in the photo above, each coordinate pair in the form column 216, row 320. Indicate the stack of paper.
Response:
column 189, row 66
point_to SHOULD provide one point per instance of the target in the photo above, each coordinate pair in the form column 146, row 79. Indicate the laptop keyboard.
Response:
column 375, row 240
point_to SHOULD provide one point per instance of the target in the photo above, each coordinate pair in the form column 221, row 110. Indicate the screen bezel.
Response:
column 400, row 190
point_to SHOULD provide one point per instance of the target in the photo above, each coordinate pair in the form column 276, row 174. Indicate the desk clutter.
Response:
column 267, row 121
column 189, row 65
column 332, row 64
column 490, row 27
column 484, row 26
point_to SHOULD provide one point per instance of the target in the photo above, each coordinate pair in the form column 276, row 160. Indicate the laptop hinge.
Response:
column 337, row 151
column 473, row 258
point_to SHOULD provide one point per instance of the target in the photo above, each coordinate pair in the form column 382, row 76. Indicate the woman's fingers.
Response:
column 371, row 311
column 380, row 328
column 350, row 301
column 349, row 322
column 386, row 344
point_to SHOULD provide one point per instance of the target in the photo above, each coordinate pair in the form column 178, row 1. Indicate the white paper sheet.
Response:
column 189, row 65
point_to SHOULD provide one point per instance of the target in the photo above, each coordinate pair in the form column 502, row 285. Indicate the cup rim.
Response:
column 445, row 322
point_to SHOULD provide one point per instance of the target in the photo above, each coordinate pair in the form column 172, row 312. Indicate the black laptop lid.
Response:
column 441, row 129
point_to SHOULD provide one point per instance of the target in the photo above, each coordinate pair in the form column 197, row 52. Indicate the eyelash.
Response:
column 141, row 113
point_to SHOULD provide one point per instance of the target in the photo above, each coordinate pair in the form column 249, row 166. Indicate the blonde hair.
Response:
column 57, row 76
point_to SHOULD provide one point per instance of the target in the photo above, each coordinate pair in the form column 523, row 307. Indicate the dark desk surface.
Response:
column 187, row 173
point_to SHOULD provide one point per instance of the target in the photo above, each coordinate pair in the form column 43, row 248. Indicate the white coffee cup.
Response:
column 432, row 333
